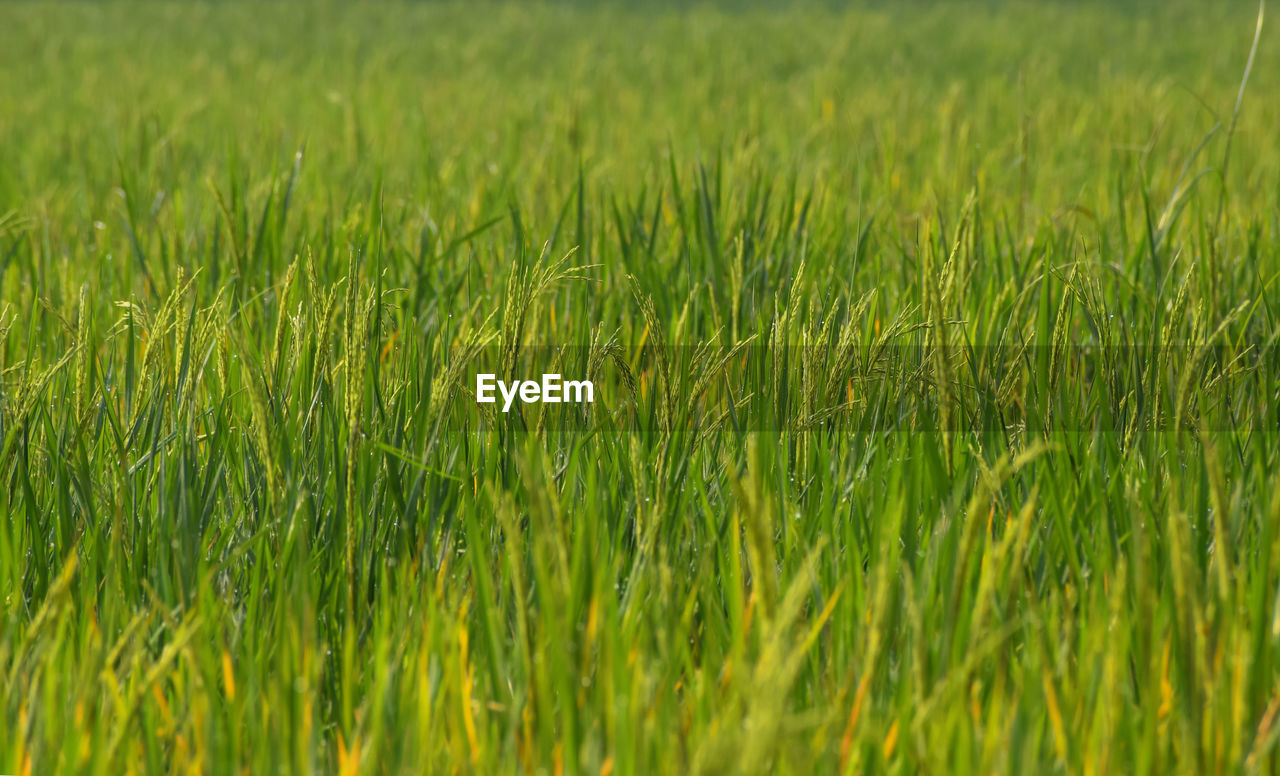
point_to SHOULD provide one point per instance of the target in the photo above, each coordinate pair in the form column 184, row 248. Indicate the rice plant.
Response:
column 936, row 364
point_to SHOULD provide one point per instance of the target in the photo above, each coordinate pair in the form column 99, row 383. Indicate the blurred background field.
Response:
column 254, row 522
column 461, row 108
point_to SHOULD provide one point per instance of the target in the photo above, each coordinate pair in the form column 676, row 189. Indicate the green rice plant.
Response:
column 936, row 377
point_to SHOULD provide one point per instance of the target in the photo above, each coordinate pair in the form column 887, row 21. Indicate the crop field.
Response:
column 935, row 355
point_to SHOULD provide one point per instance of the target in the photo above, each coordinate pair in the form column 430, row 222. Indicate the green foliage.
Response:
column 937, row 389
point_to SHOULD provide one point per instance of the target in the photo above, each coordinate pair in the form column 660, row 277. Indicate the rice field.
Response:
column 935, row 353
